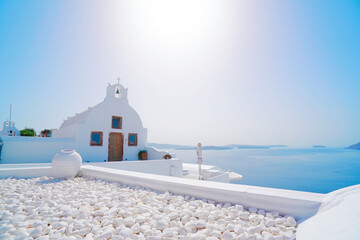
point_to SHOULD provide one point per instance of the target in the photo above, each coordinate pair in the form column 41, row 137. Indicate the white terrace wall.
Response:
column 154, row 153
column 170, row 167
column 33, row 149
column 301, row 205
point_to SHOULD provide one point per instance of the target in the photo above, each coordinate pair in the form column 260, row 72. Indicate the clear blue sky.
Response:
column 220, row 72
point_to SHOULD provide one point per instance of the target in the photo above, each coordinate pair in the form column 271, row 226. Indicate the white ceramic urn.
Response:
column 67, row 163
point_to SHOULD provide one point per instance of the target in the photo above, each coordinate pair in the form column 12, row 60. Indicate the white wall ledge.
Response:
column 170, row 167
column 26, row 172
column 301, row 205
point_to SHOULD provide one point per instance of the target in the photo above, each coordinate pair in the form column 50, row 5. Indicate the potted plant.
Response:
column 142, row 155
column 167, row 156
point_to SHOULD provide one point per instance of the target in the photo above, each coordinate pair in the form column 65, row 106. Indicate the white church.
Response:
column 110, row 131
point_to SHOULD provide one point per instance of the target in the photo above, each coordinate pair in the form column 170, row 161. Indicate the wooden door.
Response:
column 115, row 147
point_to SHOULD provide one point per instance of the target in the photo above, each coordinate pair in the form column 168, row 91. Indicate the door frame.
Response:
column 122, row 146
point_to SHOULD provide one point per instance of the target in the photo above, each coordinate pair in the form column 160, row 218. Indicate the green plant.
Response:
column 141, row 153
column 28, row 132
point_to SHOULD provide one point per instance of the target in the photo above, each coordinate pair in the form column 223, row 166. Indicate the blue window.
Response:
column 116, row 122
column 96, row 139
column 132, row 139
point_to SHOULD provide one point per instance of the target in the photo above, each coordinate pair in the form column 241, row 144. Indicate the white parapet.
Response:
column 26, row 171
column 169, row 167
column 301, row 205
column 32, row 149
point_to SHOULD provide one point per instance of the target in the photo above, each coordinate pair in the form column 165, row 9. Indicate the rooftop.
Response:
column 96, row 209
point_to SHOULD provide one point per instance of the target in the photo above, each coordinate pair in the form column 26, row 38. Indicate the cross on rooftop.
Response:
column 119, row 79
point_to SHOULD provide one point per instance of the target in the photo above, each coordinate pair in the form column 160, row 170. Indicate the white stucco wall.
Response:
column 99, row 119
column 66, row 132
column 338, row 217
column 32, row 149
column 170, row 167
column 154, row 153
column 26, row 172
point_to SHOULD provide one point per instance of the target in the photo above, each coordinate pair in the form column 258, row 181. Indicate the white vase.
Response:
column 67, row 163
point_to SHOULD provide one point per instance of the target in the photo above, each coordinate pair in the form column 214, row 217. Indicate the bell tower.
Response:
column 116, row 91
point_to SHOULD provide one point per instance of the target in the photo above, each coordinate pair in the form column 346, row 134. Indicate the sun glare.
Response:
column 172, row 23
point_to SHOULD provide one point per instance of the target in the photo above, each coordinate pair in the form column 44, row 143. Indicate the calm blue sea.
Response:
column 319, row 170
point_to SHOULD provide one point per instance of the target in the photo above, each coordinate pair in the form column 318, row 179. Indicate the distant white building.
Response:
column 110, row 131
column 9, row 129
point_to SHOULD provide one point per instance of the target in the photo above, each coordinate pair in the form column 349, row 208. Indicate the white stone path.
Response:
column 80, row 208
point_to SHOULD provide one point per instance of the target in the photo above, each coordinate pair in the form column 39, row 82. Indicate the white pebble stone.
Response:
column 118, row 221
column 161, row 225
column 288, row 235
column 167, row 232
column 43, row 238
column 140, row 219
column 261, row 212
column 98, row 213
column 106, row 235
column 154, row 238
column 126, row 233
column 129, row 221
column 270, row 222
column 267, row 235
column 5, row 236
column 227, row 235
column 275, row 214
column 279, row 220
column 117, row 237
column 59, row 225
column 278, row 237
column 244, row 215
column 226, row 205
column 83, row 232
column 172, row 215
column 290, row 222
column 190, row 225
column 251, row 237
column 79, row 226
column 239, row 230
column 36, row 232
column 200, row 224
column 136, row 228
column 274, row 230
column 254, row 218
column 216, row 234
column 212, row 238
column 254, row 229
column 258, row 236
column 253, row 209
column 242, row 236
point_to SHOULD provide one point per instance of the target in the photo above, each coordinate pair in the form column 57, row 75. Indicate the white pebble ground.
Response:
column 80, row 208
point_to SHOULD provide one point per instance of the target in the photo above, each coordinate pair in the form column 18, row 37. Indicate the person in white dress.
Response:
column 199, row 158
